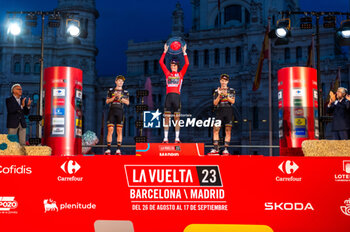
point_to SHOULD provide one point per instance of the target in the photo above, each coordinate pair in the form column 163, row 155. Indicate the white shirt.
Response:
column 18, row 101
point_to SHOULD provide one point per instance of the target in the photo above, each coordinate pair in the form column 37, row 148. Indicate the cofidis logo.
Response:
column 14, row 169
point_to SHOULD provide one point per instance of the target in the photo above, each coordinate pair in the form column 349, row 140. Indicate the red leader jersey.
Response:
column 174, row 79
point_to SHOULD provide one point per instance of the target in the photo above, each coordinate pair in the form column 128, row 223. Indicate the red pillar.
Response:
column 63, row 110
column 297, row 108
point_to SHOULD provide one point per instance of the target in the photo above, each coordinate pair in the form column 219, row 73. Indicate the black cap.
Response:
column 225, row 76
column 174, row 61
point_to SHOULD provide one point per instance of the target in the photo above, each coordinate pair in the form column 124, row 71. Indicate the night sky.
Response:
column 137, row 20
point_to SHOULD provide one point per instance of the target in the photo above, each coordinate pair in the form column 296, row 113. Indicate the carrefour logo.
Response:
column 151, row 119
column 70, row 167
column 288, row 167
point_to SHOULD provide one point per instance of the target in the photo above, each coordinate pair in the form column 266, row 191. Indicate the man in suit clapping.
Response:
column 16, row 109
column 339, row 105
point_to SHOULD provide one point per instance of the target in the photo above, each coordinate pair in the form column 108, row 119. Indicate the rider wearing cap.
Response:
column 224, row 98
column 117, row 97
column 174, row 81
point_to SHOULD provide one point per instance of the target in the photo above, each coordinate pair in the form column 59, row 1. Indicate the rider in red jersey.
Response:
column 174, row 81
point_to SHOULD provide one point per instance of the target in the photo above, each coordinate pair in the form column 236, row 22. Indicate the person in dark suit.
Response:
column 339, row 105
column 16, row 109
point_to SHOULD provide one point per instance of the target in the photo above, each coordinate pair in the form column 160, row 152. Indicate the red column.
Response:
column 297, row 108
column 63, row 110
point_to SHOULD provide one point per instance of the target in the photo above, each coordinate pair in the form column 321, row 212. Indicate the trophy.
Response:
column 175, row 45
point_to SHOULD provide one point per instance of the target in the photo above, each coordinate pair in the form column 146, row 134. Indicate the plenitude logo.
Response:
column 288, row 168
column 70, row 167
column 51, row 206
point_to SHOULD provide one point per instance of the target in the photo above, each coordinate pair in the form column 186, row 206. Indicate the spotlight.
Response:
column 281, row 32
column 14, row 28
column 283, row 27
column 343, row 33
column 73, row 27
column 345, row 29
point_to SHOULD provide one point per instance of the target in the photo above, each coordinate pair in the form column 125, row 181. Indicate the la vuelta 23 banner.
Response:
column 191, row 194
column 175, row 187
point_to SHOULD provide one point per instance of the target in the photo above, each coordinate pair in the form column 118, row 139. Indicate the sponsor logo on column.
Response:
column 79, row 94
column 288, row 206
column 51, row 206
column 8, row 205
column 57, row 121
column 58, row 130
column 346, row 209
column 345, row 176
column 280, row 95
column 58, row 92
column 288, row 168
column 299, row 111
column 14, row 169
column 58, row 111
column 297, row 93
column 79, row 132
column 58, row 101
column 70, row 167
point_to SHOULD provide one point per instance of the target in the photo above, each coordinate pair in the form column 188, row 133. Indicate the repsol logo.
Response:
column 288, row 206
column 13, row 169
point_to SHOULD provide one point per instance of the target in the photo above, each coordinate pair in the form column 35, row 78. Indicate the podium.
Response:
column 170, row 149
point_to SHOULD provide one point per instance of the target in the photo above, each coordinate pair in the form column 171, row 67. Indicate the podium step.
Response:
column 170, row 149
